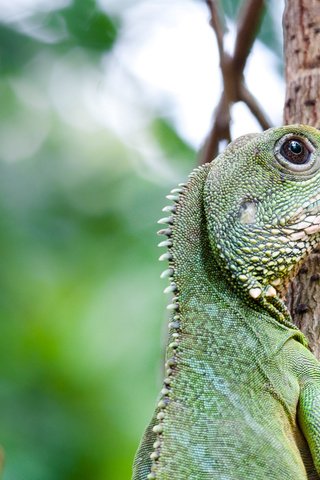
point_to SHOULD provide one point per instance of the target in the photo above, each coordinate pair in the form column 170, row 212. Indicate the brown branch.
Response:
column 221, row 127
column 232, row 68
column 248, row 24
column 216, row 25
column 246, row 96
column 220, row 131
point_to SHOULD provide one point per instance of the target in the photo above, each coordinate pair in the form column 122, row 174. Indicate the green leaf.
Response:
column 80, row 25
column 15, row 48
column 88, row 26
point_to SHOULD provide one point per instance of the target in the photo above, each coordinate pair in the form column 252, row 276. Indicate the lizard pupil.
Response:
column 295, row 147
column 295, row 151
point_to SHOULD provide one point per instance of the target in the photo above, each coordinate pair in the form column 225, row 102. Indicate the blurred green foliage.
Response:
column 78, row 264
column 81, row 309
column 80, row 24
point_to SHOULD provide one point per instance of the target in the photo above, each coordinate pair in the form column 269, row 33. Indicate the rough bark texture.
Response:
column 301, row 25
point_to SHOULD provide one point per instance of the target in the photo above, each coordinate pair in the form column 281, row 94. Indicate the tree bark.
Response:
column 301, row 26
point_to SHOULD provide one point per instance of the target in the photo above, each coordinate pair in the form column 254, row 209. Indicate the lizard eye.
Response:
column 295, row 151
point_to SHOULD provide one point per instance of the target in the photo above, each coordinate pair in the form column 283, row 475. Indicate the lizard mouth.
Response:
column 305, row 221
column 303, row 228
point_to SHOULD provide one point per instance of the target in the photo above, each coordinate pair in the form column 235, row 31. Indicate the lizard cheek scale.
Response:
column 247, row 212
column 241, row 393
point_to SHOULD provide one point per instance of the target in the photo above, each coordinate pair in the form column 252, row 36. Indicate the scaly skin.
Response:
column 241, row 397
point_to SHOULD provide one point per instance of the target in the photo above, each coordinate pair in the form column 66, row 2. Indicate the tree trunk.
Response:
column 301, row 26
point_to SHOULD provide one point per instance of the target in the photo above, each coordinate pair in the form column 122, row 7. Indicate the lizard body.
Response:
column 241, row 395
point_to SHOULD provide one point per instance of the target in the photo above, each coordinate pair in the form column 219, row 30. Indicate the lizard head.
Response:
column 262, row 203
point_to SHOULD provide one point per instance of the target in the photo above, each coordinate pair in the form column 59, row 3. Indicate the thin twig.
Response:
column 232, row 68
column 221, row 127
column 216, row 25
column 248, row 23
column 246, row 96
column 220, row 131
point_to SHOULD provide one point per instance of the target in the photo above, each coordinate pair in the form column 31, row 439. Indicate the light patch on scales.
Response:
column 247, row 212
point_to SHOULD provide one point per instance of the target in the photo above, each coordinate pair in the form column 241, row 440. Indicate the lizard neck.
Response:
column 213, row 321
column 199, row 281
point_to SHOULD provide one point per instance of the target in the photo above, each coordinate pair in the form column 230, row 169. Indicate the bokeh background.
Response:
column 103, row 107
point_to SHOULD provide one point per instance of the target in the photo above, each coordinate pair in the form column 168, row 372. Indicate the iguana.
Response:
column 241, row 393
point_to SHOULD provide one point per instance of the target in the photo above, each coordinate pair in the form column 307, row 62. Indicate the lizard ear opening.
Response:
column 248, row 211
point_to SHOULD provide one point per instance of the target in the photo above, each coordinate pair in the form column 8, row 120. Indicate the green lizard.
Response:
column 241, row 394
